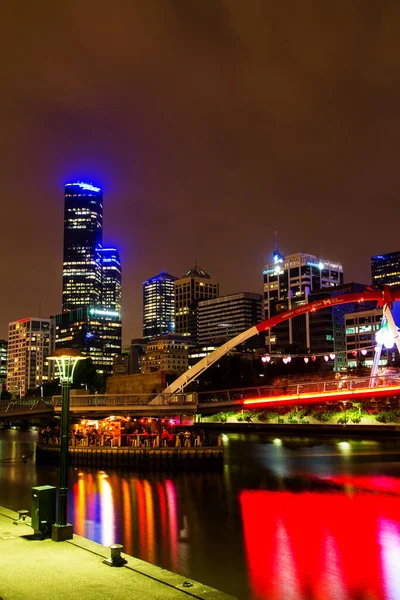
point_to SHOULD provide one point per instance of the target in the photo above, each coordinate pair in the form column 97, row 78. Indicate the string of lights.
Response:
column 286, row 358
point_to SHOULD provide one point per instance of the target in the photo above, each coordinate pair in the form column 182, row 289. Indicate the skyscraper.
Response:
column 159, row 305
column 195, row 285
column 386, row 269
column 83, row 237
column 288, row 282
column 91, row 317
column 110, row 279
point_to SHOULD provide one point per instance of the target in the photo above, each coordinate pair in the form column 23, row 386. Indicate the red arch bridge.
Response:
column 353, row 390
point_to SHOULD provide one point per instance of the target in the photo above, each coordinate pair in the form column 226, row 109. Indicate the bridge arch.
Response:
column 385, row 297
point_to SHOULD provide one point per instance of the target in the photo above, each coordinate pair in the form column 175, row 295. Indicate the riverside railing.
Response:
column 125, row 400
column 295, row 389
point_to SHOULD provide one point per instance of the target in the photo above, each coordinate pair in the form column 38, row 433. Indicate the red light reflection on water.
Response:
column 322, row 546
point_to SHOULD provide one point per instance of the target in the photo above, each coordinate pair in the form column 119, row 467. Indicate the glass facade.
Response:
column 91, row 317
column 110, row 279
column 386, row 269
column 159, row 305
column 225, row 317
column 288, row 282
column 83, row 223
column 94, row 331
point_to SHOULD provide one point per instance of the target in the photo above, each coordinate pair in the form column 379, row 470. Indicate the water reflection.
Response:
column 322, row 545
column 299, row 519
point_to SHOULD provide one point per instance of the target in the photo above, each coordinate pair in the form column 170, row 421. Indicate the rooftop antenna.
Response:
column 276, row 254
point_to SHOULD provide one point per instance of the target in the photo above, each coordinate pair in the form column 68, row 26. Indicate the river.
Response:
column 288, row 518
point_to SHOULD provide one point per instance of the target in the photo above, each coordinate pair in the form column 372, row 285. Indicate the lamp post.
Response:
column 66, row 360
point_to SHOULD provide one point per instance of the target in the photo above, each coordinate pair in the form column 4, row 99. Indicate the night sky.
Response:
column 209, row 124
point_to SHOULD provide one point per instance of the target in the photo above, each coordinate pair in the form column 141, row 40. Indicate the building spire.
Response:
column 277, row 256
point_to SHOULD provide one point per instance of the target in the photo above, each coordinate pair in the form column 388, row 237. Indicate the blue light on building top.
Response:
column 84, row 186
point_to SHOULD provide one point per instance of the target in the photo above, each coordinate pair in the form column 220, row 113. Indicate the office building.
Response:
column 327, row 325
column 91, row 317
column 385, row 269
column 360, row 330
column 3, row 364
column 159, row 305
column 168, row 353
column 94, row 331
column 110, row 279
column 288, row 282
column 83, row 226
column 30, row 341
column 195, row 285
column 221, row 319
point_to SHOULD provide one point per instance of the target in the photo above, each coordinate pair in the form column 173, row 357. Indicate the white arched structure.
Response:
column 384, row 299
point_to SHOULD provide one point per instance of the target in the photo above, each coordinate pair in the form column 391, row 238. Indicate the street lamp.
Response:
column 66, row 360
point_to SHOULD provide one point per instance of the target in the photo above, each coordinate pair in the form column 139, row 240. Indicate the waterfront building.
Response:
column 30, row 341
column 221, row 319
column 385, row 269
column 159, row 305
column 91, row 317
column 195, row 285
column 93, row 330
column 168, row 353
column 288, row 283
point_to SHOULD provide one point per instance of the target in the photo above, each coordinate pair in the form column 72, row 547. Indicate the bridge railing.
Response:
column 124, row 400
column 20, row 403
column 295, row 389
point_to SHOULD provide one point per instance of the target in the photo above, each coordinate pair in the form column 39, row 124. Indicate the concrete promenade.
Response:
column 33, row 569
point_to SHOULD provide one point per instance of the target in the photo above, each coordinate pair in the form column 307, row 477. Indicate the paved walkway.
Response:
column 32, row 569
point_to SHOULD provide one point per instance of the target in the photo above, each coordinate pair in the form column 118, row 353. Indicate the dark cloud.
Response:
column 210, row 125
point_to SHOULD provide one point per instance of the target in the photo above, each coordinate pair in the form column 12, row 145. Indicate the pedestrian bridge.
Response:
column 134, row 404
column 311, row 392
column 30, row 407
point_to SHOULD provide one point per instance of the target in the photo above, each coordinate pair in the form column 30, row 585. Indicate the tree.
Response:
column 86, row 375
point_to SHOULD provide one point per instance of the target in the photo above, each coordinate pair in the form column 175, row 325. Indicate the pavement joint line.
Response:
column 195, row 593
column 170, row 579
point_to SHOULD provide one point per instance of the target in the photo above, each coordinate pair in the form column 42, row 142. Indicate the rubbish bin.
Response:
column 43, row 509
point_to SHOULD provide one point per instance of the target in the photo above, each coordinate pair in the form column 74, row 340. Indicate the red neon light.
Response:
column 327, row 396
column 24, row 320
column 318, row 304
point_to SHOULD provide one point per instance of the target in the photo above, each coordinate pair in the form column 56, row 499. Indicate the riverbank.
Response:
column 303, row 429
column 162, row 458
column 33, row 569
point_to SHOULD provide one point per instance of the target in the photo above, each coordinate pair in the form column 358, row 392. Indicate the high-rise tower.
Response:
column 110, row 278
column 288, row 282
column 91, row 317
column 83, row 226
column 159, row 305
column 194, row 286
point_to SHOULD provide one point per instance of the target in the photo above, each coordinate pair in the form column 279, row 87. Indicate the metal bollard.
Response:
column 22, row 514
column 115, row 559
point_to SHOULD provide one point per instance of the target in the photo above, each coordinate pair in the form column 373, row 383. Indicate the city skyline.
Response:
column 208, row 128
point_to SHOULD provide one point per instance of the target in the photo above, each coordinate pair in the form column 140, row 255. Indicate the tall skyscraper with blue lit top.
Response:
column 91, row 304
column 83, row 238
